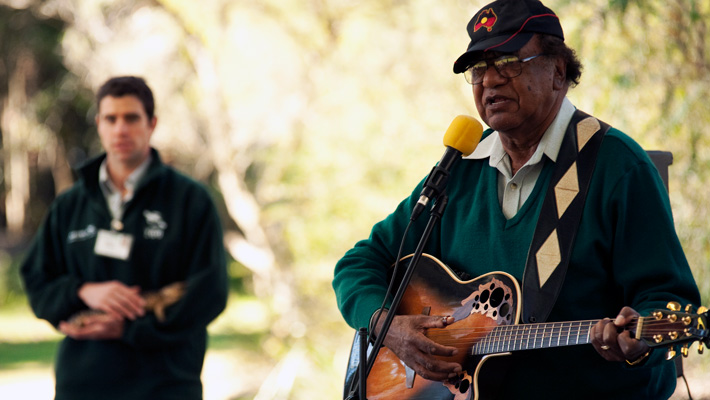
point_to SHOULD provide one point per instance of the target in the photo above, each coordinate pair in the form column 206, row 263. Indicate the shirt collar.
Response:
column 492, row 148
column 131, row 181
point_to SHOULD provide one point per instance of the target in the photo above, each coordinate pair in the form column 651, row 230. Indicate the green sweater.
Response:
column 184, row 243
column 626, row 254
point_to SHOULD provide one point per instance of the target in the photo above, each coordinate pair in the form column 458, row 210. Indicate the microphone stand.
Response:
column 437, row 210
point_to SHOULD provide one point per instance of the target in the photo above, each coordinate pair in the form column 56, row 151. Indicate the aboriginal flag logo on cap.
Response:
column 487, row 18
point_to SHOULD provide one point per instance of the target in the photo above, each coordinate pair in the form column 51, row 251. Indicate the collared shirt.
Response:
column 513, row 190
column 115, row 200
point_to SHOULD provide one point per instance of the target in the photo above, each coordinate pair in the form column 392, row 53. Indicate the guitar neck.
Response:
column 508, row 338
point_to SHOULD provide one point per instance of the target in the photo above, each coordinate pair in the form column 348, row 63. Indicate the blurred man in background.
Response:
column 130, row 227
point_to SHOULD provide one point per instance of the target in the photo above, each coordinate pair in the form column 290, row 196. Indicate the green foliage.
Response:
column 11, row 291
column 21, row 354
column 31, row 44
column 618, row 5
column 25, row 35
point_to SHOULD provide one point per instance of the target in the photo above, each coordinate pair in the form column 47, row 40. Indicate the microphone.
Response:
column 461, row 138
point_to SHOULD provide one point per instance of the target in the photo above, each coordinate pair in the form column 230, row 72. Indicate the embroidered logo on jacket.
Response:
column 156, row 226
column 82, row 234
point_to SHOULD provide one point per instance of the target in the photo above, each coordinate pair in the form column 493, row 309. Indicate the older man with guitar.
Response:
column 558, row 234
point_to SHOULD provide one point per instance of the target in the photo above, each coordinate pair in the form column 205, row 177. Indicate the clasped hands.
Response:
column 407, row 339
column 117, row 302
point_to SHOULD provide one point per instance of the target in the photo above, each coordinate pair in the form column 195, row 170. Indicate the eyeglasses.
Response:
column 508, row 66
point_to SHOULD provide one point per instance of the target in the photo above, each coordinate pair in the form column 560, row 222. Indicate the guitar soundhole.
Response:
column 484, row 296
column 497, row 297
column 463, row 386
column 505, row 311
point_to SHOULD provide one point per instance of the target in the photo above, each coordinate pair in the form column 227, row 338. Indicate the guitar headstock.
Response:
column 673, row 326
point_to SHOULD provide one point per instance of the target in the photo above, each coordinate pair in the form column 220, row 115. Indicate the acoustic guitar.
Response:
column 486, row 311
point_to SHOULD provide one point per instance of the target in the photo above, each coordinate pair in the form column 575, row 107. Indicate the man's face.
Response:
column 124, row 130
column 521, row 104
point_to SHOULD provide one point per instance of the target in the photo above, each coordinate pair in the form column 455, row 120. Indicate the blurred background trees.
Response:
column 310, row 120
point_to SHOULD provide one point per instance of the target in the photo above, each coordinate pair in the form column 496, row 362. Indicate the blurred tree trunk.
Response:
column 249, row 244
column 16, row 130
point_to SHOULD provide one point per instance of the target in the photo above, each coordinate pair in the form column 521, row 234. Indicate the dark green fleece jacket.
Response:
column 177, row 237
column 626, row 253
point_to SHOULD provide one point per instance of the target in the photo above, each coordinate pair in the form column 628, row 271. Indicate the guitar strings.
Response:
column 551, row 332
column 650, row 324
column 526, row 329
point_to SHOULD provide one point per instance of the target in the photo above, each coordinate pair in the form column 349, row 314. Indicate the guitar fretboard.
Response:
column 534, row 336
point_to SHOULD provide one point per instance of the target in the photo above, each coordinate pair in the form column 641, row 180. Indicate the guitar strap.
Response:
column 551, row 246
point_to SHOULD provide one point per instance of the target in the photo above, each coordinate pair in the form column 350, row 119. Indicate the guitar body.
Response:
column 478, row 306
column 486, row 310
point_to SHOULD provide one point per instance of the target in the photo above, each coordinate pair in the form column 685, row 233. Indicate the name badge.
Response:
column 113, row 244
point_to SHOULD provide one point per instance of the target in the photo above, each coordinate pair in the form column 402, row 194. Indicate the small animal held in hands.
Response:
column 155, row 302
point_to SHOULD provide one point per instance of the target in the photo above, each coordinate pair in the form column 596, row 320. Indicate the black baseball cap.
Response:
column 506, row 26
